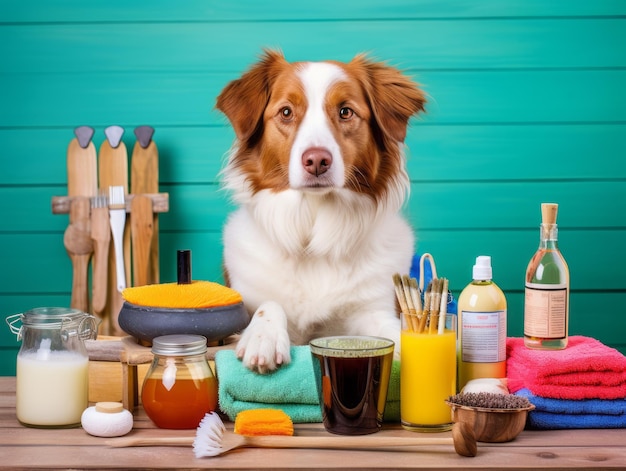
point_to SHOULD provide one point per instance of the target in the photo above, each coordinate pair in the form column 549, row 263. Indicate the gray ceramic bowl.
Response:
column 217, row 323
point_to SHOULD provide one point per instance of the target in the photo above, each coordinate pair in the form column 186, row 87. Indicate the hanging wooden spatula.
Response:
column 113, row 171
column 82, row 182
column 144, row 179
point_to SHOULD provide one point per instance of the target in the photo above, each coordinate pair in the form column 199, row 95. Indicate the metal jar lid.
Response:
column 179, row 345
column 70, row 321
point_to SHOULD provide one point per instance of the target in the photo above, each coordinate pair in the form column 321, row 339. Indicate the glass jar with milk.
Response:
column 52, row 364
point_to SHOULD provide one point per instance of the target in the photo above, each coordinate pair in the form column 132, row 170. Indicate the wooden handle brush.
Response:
column 212, row 439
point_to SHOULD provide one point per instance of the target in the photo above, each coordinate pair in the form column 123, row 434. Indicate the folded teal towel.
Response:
column 290, row 388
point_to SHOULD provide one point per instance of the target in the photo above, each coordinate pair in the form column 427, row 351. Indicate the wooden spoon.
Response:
column 79, row 246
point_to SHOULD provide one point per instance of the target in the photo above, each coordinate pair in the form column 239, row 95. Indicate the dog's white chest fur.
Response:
column 324, row 262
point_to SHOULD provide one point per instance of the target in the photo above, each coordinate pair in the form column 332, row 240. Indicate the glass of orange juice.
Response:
column 427, row 377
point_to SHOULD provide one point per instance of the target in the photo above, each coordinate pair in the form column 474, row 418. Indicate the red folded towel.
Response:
column 586, row 369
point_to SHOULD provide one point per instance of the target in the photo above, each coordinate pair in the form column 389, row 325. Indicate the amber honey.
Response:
column 181, row 407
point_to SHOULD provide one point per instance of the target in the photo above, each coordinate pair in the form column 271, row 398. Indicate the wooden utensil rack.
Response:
column 160, row 203
column 88, row 185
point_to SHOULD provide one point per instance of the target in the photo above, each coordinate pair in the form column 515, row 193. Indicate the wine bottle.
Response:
column 546, row 300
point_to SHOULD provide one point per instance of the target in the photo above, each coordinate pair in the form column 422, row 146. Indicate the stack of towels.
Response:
column 291, row 388
column 582, row 386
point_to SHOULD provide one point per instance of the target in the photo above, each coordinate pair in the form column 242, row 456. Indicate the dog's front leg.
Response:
column 264, row 344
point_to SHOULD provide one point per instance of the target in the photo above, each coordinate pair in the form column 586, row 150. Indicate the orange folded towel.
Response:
column 263, row 422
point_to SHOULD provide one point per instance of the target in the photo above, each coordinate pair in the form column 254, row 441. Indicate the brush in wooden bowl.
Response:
column 494, row 417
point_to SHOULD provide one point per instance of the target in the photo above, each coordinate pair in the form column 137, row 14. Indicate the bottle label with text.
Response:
column 484, row 336
column 545, row 309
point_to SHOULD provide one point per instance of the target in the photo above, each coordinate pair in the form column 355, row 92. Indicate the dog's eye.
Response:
column 286, row 113
column 346, row 113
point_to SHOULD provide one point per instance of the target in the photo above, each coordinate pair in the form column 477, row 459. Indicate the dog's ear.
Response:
column 244, row 100
column 393, row 97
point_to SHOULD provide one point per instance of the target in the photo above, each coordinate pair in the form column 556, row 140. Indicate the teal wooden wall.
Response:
column 527, row 104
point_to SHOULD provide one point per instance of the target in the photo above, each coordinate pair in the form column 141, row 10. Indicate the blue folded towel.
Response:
column 552, row 414
column 290, row 388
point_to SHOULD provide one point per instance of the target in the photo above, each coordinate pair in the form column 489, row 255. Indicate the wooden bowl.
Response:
column 492, row 425
column 217, row 323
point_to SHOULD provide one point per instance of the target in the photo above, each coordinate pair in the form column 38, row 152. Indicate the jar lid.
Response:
column 51, row 316
column 70, row 321
column 179, row 344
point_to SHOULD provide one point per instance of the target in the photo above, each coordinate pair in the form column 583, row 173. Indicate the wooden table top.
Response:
column 29, row 448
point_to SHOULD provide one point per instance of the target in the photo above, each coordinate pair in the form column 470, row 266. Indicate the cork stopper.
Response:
column 109, row 407
column 549, row 212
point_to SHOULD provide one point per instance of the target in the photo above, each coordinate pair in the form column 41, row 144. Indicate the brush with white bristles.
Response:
column 212, row 439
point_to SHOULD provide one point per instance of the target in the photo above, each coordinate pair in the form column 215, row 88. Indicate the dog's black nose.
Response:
column 316, row 160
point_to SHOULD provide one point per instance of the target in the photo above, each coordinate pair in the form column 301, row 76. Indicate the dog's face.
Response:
column 318, row 126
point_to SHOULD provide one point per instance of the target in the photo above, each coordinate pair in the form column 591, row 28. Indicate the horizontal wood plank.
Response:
column 435, row 44
column 168, row 98
column 77, row 11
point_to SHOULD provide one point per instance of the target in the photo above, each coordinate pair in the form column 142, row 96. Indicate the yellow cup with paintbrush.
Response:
column 427, row 355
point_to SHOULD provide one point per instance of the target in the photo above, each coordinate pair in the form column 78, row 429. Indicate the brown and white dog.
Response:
column 318, row 172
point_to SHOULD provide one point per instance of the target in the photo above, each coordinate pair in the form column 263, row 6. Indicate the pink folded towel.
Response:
column 586, row 369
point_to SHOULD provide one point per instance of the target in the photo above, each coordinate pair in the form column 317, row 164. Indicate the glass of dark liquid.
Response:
column 352, row 376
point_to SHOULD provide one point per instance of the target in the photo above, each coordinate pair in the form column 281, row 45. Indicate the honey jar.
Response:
column 179, row 387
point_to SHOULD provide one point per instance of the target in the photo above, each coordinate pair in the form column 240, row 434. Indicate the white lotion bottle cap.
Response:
column 482, row 270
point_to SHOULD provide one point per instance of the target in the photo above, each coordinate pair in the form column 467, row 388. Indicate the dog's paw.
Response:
column 264, row 344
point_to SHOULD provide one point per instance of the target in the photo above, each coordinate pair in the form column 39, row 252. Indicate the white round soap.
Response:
column 107, row 419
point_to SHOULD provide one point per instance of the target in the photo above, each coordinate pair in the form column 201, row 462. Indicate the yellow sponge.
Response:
column 263, row 422
column 194, row 295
